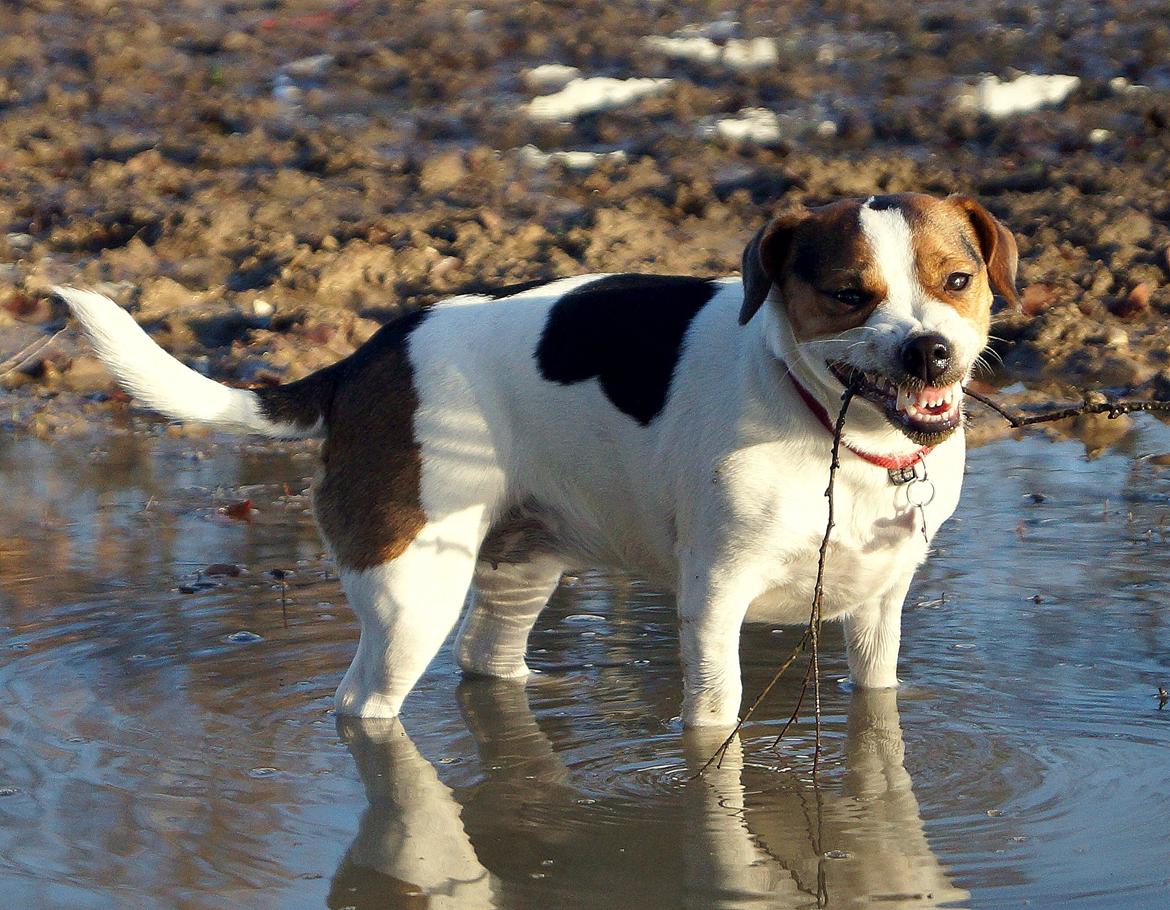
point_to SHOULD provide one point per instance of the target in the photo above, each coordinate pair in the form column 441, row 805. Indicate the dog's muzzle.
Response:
column 926, row 410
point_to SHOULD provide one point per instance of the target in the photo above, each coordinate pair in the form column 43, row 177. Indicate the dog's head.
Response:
column 890, row 294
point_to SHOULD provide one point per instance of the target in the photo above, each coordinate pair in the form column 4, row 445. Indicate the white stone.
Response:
column 997, row 98
column 753, row 124
column 738, row 53
column 309, row 67
column 573, row 160
column 549, row 77
column 587, row 96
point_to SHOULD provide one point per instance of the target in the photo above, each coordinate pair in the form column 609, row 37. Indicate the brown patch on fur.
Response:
column 944, row 244
column 828, row 253
column 368, row 499
column 997, row 246
column 825, row 251
column 301, row 403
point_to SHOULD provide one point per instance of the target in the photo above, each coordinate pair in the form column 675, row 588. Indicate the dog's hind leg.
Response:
column 505, row 603
column 407, row 606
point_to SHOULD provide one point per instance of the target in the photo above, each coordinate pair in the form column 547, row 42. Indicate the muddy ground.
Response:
column 264, row 182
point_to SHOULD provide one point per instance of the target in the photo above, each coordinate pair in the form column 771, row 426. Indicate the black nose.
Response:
column 926, row 356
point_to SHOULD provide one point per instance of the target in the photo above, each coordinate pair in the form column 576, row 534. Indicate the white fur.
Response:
column 158, row 380
column 720, row 498
column 909, row 309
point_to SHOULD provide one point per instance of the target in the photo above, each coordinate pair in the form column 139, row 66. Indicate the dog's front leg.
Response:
column 710, row 615
column 873, row 634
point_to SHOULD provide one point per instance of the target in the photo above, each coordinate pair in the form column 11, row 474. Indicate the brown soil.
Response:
column 261, row 219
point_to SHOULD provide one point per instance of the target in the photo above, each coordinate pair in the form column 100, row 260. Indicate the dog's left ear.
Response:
column 998, row 246
column 763, row 260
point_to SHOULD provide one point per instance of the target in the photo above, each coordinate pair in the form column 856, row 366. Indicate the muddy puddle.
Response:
column 167, row 738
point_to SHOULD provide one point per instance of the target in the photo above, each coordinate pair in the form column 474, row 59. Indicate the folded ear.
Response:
column 998, row 246
column 764, row 260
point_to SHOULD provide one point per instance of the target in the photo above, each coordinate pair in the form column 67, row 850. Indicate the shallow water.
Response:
column 153, row 756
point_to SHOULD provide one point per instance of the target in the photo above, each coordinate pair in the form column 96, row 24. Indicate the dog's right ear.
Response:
column 764, row 258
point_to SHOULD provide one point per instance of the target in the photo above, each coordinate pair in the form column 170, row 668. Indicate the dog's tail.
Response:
column 161, row 382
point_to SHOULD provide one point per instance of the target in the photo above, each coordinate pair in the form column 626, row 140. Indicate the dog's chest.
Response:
column 876, row 540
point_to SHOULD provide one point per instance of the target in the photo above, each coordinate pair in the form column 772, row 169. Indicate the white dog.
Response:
column 678, row 428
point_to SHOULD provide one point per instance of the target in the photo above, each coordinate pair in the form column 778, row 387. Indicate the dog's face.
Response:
column 891, row 295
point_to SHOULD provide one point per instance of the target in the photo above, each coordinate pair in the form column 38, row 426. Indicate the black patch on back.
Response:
column 627, row 332
column 883, row 203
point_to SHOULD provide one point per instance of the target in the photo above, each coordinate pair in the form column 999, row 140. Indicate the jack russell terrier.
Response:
column 678, row 428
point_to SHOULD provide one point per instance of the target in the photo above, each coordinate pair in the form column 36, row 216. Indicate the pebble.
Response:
column 550, row 76
column 1134, row 304
column 310, row 67
column 996, row 98
column 589, row 96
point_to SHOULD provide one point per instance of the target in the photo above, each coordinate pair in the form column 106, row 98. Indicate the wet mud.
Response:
column 264, row 183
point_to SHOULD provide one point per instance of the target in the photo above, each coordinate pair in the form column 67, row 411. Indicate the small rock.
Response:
column 549, row 77
column 1102, row 283
column 1134, row 304
column 442, row 172
column 310, row 67
column 236, row 41
column 589, row 96
column 445, row 266
column 262, row 308
column 1116, row 338
column 284, row 90
column 1027, row 92
column 223, row 568
column 1036, row 298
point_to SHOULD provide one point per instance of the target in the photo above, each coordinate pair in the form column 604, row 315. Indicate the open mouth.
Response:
column 925, row 413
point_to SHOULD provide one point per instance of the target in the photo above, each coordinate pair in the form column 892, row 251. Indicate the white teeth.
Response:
column 918, row 404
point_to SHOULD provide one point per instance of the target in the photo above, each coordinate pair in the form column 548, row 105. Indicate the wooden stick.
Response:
column 1093, row 403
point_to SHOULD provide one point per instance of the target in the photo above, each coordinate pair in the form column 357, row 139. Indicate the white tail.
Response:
column 160, row 381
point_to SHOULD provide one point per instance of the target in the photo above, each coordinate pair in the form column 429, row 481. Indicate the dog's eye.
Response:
column 957, row 281
column 851, row 297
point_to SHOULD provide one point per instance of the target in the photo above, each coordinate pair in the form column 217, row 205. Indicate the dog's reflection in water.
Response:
column 523, row 836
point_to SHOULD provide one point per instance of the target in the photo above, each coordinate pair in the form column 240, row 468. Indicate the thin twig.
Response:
column 819, row 590
column 718, row 754
column 27, row 353
column 1093, row 403
column 812, row 632
column 796, row 710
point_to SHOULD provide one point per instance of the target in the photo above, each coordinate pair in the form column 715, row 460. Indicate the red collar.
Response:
column 889, row 462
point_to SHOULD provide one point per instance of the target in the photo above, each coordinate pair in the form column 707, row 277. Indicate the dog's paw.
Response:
column 350, row 702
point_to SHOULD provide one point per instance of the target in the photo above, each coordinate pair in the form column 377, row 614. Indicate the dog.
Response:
column 674, row 427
